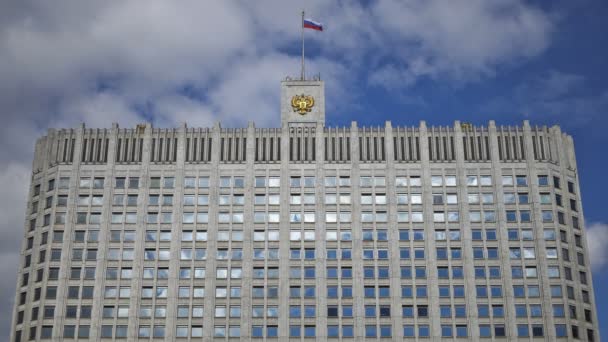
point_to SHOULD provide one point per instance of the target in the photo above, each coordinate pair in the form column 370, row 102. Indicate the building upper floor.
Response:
column 305, row 144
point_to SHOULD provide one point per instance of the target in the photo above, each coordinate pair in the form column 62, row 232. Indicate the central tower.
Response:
column 302, row 103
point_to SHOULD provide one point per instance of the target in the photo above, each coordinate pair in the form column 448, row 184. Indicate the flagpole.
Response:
column 302, row 74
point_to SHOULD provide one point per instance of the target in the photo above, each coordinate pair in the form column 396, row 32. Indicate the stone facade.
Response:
column 395, row 215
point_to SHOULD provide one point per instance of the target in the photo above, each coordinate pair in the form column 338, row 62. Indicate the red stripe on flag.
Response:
column 314, row 27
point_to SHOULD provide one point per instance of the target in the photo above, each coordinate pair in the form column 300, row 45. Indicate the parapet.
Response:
column 306, row 144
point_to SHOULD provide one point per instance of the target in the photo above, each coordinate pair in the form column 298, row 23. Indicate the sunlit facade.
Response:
column 305, row 232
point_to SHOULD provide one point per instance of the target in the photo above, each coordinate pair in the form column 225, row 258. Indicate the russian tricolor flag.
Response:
column 313, row 25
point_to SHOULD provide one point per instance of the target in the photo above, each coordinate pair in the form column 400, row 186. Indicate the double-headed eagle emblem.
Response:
column 302, row 103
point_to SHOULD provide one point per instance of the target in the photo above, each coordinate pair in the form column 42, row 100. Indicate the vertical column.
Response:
column 393, row 234
column 104, row 233
column 503, row 238
column 209, row 308
column 176, row 231
column 539, row 239
column 142, row 198
column 246, row 280
column 70, row 222
column 357, row 252
column 320, row 253
column 467, row 245
column 284, row 237
column 429, row 233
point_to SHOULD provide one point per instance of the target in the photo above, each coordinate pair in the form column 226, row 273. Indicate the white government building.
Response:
column 305, row 232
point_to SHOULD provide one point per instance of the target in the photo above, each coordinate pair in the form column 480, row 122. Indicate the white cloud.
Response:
column 465, row 40
column 173, row 110
column 155, row 41
column 88, row 107
column 597, row 240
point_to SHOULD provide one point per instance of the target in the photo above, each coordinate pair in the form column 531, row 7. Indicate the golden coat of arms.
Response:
column 302, row 103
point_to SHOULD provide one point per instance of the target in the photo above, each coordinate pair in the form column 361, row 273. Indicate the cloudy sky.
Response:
column 66, row 62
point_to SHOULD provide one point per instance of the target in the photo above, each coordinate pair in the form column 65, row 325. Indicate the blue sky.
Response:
column 66, row 62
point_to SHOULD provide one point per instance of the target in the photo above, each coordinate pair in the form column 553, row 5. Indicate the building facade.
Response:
column 305, row 232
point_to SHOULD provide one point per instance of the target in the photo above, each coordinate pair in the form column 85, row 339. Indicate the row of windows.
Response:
column 345, row 291
column 309, row 291
column 481, row 291
column 189, row 200
column 344, row 330
column 308, row 181
column 299, row 311
column 331, row 198
column 487, row 216
column 296, row 199
column 344, row 181
column 443, row 272
column 368, row 234
column 442, row 253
